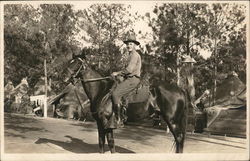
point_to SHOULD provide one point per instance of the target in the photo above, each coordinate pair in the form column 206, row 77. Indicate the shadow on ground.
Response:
column 13, row 119
column 23, row 129
column 8, row 134
column 78, row 146
column 21, row 124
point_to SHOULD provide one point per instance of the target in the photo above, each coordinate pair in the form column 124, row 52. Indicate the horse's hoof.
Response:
column 120, row 124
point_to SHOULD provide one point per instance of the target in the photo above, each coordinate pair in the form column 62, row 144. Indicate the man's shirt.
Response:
column 133, row 65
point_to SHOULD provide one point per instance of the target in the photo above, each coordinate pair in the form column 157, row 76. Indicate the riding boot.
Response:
column 156, row 118
column 156, row 115
column 124, row 116
column 117, row 111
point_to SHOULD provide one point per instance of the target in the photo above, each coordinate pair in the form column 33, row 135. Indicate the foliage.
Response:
column 48, row 32
column 53, row 32
column 36, row 34
column 185, row 29
column 21, row 50
column 25, row 106
column 105, row 25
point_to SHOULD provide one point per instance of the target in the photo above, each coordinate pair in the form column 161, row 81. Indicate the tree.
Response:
column 22, row 49
column 181, row 29
column 225, row 21
column 105, row 25
column 58, row 26
column 36, row 34
column 177, row 28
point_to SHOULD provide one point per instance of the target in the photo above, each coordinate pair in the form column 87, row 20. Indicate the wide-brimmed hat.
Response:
column 188, row 59
column 131, row 38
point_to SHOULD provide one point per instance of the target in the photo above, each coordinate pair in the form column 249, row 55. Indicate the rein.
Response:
column 96, row 79
column 86, row 80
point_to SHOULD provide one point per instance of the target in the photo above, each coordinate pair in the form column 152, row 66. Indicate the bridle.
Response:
column 75, row 74
column 83, row 67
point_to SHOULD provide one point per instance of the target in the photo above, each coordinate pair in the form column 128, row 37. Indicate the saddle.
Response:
column 139, row 94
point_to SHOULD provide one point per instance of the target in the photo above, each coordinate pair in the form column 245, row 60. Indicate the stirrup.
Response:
column 155, row 115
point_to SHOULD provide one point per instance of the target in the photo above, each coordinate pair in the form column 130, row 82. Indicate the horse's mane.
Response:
column 167, row 85
column 106, row 84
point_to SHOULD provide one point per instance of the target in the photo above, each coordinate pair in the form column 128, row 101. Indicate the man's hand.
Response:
column 115, row 74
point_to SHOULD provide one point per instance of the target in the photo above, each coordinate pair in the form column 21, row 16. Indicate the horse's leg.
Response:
column 183, row 125
column 180, row 139
column 182, row 122
column 173, row 129
column 178, row 129
column 101, row 137
column 182, row 143
column 110, row 139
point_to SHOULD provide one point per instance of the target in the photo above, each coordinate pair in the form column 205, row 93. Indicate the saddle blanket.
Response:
column 140, row 94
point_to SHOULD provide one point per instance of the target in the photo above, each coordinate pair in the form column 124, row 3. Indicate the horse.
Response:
column 96, row 91
column 172, row 103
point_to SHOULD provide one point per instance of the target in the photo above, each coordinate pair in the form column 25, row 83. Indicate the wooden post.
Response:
column 45, row 88
column 215, row 73
column 54, row 108
column 178, row 69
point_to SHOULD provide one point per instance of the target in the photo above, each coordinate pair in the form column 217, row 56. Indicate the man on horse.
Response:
column 130, row 74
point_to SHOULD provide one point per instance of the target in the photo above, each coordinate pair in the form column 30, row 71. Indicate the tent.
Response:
column 16, row 98
column 71, row 103
column 228, row 115
column 231, row 92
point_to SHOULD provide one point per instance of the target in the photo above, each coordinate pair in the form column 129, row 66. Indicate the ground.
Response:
column 28, row 134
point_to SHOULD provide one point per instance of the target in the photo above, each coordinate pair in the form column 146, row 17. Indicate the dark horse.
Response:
column 171, row 101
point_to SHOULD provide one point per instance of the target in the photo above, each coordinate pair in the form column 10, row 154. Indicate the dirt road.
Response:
column 26, row 134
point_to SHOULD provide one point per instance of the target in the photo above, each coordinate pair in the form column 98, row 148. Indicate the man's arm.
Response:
column 131, row 65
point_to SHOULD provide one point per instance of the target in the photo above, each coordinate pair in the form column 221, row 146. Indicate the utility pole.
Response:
column 45, row 79
column 45, row 98
column 215, row 61
column 178, row 69
column 215, row 73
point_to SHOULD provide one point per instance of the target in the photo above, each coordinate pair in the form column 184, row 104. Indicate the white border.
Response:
column 2, row 80
column 146, row 156
column 127, row 157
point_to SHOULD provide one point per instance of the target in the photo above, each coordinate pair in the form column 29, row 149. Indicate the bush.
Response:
column 7, row 104
column 15, row 108
column 26, row 106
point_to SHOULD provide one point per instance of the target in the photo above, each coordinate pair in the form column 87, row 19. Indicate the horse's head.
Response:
column 74, row 69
